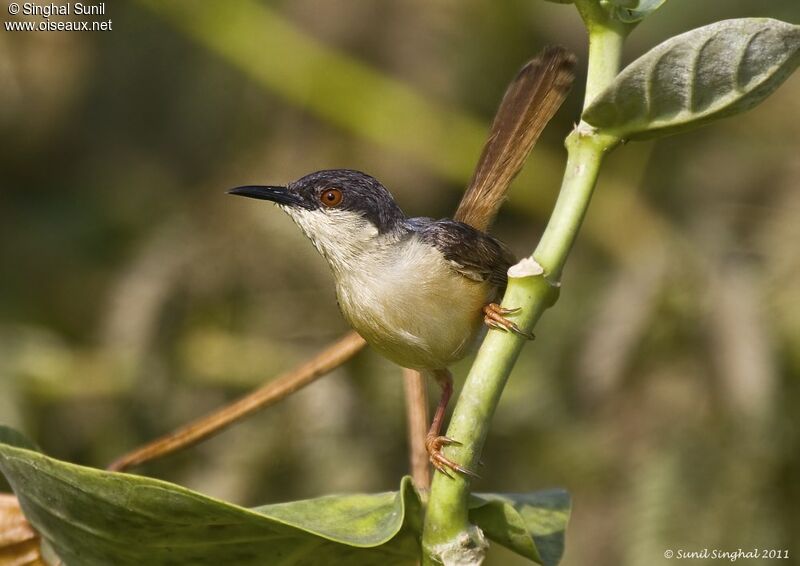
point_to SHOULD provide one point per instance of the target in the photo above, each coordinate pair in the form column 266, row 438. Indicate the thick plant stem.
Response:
column 606, row 36
column 448, row 536
column 585, row 154
column 447, row 532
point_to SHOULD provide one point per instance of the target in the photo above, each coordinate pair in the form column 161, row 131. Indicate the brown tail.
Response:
column 528, row 105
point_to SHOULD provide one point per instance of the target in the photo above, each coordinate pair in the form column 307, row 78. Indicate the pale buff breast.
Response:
column 414, row 308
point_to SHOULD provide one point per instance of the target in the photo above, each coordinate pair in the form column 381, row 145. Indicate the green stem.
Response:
column 585, row 150
column 606, row 37
column 448, row 536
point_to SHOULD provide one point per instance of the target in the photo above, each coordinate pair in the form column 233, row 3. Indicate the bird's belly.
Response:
column 427, row 322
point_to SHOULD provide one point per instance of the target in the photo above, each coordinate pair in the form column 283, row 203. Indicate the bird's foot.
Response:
column 441, row 462
column 494, row 316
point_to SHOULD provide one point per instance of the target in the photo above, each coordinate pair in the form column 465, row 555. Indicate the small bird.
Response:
column 420, row 290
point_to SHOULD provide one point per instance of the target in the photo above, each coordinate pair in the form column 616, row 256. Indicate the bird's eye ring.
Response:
column 331, row 197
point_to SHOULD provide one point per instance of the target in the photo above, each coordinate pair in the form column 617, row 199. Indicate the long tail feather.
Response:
column 528, row 105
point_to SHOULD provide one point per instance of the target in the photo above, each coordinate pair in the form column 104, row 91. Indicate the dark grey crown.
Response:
column 360, row 193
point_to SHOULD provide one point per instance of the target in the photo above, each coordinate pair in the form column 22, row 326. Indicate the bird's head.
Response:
column 344, row 213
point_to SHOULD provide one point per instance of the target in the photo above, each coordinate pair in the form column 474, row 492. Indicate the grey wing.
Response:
column 472, row 253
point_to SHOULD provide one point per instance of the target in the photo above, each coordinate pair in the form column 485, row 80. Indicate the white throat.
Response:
column 344, row 238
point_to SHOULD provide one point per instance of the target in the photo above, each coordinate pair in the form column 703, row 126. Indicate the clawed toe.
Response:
column 441, row 462
column 495, row 317
column 505, row 311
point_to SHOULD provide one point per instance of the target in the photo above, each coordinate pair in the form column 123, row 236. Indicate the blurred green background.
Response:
column 135, row 295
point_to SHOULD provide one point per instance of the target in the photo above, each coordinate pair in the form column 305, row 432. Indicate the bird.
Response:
column 422, row 291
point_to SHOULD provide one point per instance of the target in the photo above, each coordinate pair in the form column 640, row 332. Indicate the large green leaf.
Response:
column 531, row 524
column 93, row 517
column 702, row 75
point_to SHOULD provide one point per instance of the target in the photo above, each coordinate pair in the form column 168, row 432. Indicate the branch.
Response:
column 417, row 417
column 533, row 284
column 284, row 385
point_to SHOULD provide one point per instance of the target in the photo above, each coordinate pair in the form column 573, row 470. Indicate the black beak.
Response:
column 280, row 195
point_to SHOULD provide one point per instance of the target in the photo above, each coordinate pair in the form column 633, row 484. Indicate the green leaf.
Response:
column 699, row 76
column 531, row 524
column 92, row 517
column 14, row 438
column 632, row 11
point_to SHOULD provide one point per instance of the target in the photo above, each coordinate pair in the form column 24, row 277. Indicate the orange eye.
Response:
column 331, row 197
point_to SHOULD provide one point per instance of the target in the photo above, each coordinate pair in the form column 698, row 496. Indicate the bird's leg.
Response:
column 434, row 441
column 494, row 316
